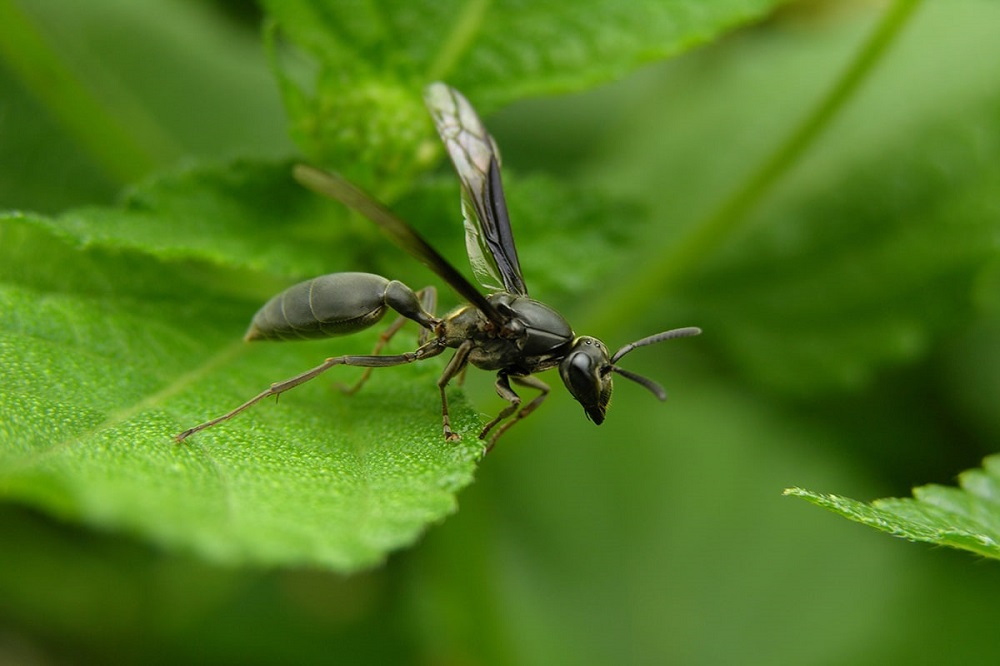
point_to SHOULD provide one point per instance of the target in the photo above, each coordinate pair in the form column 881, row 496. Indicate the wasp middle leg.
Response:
column 507, row 393
column 432, row 348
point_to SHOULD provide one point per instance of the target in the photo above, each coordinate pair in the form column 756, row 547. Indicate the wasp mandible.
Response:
column 506, row 331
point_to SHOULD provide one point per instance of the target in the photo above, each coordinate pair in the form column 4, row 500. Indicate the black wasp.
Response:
column 506, row 331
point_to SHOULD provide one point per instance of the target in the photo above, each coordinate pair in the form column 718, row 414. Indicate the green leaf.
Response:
column 362, row 57
column 98, row 94
column 242, row 214
column 248, row 214
column 596, row 545
column 113, row 352
column 966, row 518
column 887, row 262
column 161, row 289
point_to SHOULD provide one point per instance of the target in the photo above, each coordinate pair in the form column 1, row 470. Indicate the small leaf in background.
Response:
column 966, row 518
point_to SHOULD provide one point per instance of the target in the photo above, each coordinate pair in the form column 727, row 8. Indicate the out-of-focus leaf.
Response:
column 157, row 80
column 675, row 493
column 972, row 368
column 365, row 56
column 243, row 214
column 871, row 249
column 966, row 518
column 40, row 167
column 83, row 588
column 868, row 272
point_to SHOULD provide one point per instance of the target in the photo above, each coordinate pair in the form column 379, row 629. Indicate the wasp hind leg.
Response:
column 426, row 350
column 507, row 393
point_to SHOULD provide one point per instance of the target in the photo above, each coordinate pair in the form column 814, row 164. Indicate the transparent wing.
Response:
column 488, row 237
column 338, row 188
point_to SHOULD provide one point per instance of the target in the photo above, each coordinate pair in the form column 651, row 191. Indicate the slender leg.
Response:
column 507, row 393
column 461, row 376
column 428, row 301
column 426, row 351
column 455, row 366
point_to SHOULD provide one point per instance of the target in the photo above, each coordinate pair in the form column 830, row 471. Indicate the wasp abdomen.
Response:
column 335, row 304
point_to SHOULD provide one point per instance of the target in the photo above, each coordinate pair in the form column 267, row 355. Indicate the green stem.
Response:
column 661, row 274
column 462, row 35
column 111, row 140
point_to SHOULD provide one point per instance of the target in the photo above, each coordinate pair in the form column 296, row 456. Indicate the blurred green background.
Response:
column 661, row 537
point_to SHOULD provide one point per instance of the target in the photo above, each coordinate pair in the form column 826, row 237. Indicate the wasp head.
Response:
column 586, row 370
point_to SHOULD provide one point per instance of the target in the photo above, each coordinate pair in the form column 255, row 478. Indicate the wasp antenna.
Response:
column 686, row 332
column 652, row 386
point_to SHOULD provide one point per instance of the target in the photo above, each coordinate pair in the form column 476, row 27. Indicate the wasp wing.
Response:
column 488, row 237
column 337, row 187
